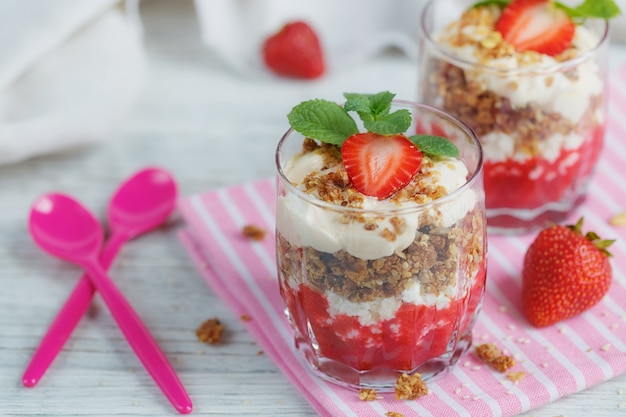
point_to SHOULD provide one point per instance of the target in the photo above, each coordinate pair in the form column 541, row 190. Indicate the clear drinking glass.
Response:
column 540, row 120
column 374, row 293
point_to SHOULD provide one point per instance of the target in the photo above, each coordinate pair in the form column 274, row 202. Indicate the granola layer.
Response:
column 432, row 261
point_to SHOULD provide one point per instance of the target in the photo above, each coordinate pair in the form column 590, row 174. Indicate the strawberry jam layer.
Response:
column 536, row 183
column 414, row 335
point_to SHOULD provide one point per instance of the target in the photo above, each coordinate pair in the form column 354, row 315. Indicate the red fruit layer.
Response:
column 414, row 335
column 511, row 183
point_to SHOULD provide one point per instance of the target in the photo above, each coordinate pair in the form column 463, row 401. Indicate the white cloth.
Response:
column 69, row 70
column 350, row 31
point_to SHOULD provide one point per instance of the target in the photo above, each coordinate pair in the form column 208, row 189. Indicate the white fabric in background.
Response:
column 350, row 31
column 69, row 70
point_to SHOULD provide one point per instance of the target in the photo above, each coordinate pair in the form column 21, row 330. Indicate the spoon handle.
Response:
column 140, row 338
column 68, row 317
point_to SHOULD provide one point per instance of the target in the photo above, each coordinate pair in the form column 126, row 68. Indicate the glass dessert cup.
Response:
column 373, row 293
column 540, row 120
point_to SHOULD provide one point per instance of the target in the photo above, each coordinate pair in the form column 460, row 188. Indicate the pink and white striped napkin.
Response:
column 558, row 360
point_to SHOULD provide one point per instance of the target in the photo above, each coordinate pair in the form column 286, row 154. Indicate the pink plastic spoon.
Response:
column 142, row 202
column 64, row 228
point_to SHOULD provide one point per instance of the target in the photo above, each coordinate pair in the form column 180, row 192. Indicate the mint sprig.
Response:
column 435, row 145
column 501, row 3
column 322, row 120
column 374, row 112
column 329, row 122
column 599, row 9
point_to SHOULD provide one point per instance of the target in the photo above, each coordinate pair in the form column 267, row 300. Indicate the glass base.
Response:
column 506, row 221
column 381, row 379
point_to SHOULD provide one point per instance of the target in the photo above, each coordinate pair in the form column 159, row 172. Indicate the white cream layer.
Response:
column 303, row 223
column 566, row 93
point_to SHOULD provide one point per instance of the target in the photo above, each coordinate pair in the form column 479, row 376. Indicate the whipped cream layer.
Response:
column 500, row 146
column 303, row 223
column 531, row 78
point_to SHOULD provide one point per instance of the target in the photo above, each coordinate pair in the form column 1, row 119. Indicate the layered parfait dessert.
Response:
column 529, row 80
column 380, row 238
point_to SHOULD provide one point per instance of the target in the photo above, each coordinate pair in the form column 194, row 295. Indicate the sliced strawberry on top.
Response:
column 380, row 165
column 294, row 51
column 536, row 25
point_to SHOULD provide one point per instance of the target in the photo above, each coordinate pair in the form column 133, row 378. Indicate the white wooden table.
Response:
column 211, row 128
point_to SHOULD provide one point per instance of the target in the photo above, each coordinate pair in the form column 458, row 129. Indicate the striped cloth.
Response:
column 558, row 360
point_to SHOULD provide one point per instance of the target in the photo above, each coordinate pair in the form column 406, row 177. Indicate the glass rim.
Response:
column 469, row 182
column 531, row 70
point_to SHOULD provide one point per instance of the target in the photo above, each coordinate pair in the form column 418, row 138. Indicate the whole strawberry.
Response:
column 294, row 51
column 565, row 273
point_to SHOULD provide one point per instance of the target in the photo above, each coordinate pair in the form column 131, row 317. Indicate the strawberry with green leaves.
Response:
column 565, row 273
column 380, row 161
column 546, row 26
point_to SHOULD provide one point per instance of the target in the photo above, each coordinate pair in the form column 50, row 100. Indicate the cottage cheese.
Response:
column 381, row 309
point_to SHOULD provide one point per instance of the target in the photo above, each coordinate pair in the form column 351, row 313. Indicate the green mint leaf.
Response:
column 373, row 109
column 600, row 9
column 380, row 103
column 370, row 107
column 500, row 3
column 357, row 102
column 390, row 124
column 322, row 120
column 435, row 145
column 375, row 105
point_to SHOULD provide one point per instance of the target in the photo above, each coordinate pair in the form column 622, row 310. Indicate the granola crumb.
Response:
column 210, row 331
column 618, row 219
column 410, row 387
column 490, row 354
column 516, row 377
column 605, row 347
column 503, row 363
column 393, row 414
column 487, row 352
column 245, row 317
column 253, row 232
column 367, row 394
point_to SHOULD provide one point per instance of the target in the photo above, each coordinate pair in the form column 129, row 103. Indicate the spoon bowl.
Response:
column 143, row 202
column 64, row 228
